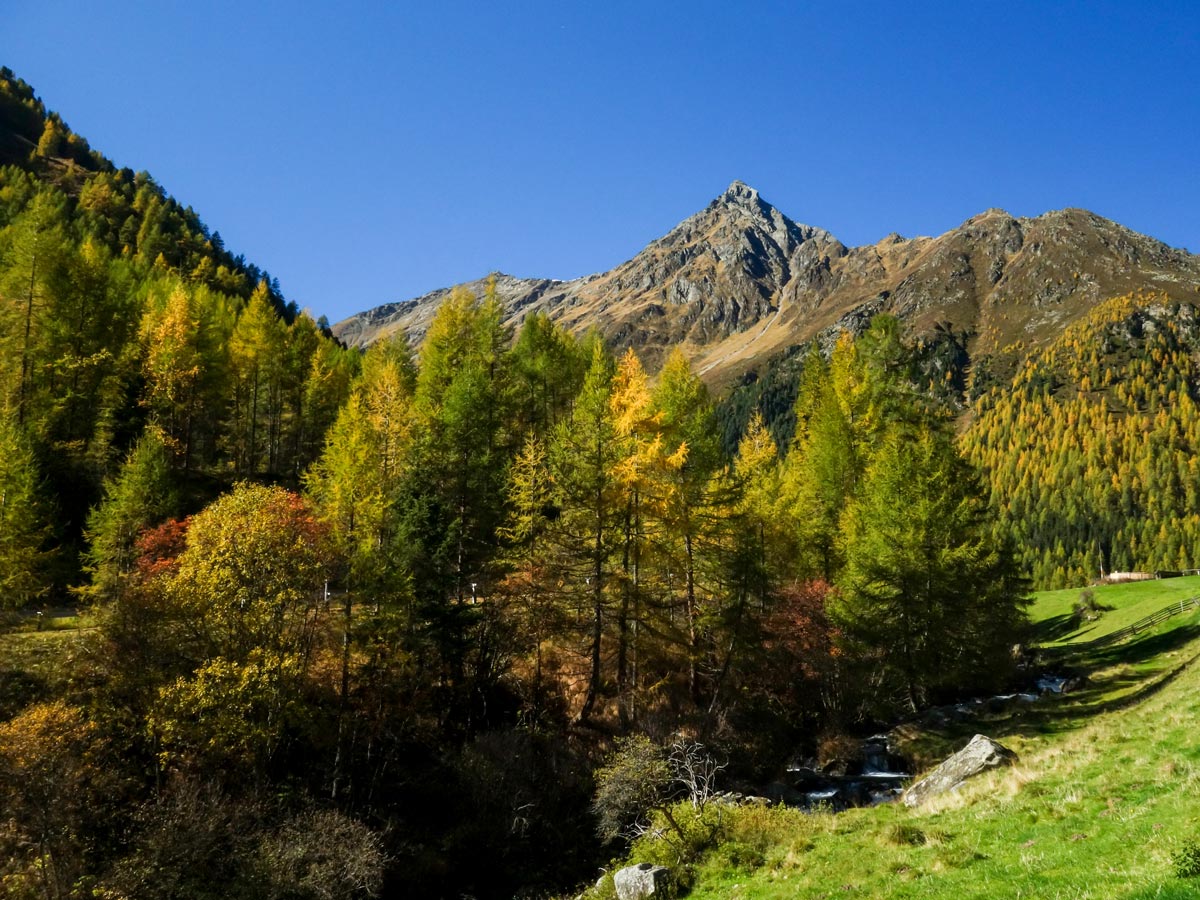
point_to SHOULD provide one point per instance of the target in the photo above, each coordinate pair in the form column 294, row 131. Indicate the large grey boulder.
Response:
column 642, row 880
column 981, row 754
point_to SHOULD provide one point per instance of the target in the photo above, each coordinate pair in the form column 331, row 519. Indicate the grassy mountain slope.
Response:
column 1123, row 605
column 1102, row 803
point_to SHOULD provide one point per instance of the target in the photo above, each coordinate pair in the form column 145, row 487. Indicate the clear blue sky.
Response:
column 364, row 153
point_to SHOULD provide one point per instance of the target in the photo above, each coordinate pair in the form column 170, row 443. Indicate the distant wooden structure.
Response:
column 1125, row 577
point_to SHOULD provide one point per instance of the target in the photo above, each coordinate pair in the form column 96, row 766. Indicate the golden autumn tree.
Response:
column 250, row 584
column 170, row 333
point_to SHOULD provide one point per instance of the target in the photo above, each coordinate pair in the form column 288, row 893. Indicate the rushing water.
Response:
column 877, row 774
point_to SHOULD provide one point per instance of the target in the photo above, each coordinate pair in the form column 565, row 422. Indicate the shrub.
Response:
column 764, row 827
column 1186, row 860
column 632, row 782
column 736, row 855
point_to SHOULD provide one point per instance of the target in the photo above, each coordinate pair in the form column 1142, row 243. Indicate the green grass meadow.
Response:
column 1122, row 605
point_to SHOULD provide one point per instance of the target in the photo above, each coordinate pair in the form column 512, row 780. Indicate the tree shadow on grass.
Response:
column 1136, row 679
column 1068, row 625
column 1053, row 629
column 1134, row 652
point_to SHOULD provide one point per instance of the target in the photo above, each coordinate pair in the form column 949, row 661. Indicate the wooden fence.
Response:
column 1143, row 623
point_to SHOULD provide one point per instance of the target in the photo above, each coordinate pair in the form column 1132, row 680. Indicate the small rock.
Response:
column 838, row 767
column 641, row 880
column 804, row 776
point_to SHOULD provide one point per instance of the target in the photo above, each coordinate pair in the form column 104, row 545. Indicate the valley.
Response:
column 692, row 562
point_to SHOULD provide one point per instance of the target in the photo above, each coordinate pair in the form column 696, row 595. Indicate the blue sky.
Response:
column 365, row 153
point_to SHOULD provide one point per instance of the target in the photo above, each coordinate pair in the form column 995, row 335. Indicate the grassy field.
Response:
column 1121, row 605
column 1104, row 803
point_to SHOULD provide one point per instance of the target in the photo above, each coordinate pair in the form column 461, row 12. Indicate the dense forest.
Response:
column 1091, row 449
column 370, row 622
column 1086, row 444
column 122, row 310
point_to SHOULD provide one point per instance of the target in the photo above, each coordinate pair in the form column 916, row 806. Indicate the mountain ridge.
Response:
column 739, row 282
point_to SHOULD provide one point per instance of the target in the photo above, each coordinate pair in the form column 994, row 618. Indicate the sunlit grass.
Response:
column 1121, row 605
column 1097, row 814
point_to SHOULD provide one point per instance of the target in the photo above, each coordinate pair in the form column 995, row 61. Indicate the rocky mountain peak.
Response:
column 739, row 193
column 741, row 216
column 740, row 201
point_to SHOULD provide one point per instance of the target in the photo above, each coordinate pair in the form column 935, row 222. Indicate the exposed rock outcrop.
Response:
column 980, row 755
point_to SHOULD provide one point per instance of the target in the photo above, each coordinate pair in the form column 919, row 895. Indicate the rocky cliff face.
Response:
column 715, row 278
column 739, row 282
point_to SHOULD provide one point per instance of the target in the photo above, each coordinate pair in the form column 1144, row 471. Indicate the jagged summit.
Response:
column 739, row 281
column 740, row 197
column 739, row 191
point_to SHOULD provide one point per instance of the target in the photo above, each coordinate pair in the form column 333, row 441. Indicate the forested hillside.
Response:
column 368, row 623
column 531, row 549
column 1091, row 450
column 1087, row 444
column 125, row 319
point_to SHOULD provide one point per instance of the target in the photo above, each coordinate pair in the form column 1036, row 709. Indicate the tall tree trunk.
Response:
column 250, row 456
column 25, row 346
column 623, row 620
column 637, row 599
column 593, row 691
column 692, row 616
column 339, row 761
